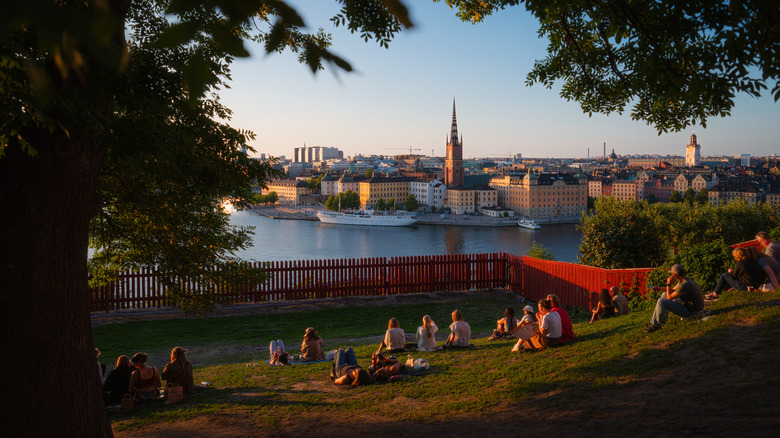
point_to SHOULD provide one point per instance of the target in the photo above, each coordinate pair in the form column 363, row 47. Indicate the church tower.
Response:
column 693, row 152
column 453, row 166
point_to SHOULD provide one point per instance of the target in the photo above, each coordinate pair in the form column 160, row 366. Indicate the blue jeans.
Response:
column 343, row 358
column 662, row 308
column 727, row 280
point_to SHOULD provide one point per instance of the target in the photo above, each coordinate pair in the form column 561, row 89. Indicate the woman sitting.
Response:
column 346, row 370
column 278, row 353
column 605, row 308
column 745, row 275
column 179, row 370
column 144, row 382
column 770, row 265
column 425, row 335
column 311, row 348
column 118, row 380
column 505, row 325
column 461, row 332
column 549, row 329
column 395, row 338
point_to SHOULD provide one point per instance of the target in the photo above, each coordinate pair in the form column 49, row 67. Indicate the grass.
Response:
column 608, row 356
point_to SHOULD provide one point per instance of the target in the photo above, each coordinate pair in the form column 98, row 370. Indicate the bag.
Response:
column 409, row 361
column 330, row 355
column 127, row 403
column 421, row 365
column 174, row 394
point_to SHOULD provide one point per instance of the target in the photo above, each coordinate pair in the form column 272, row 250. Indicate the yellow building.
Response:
column 288, row 190
column 722, row 194
column 379, row 187
column 465, row 200
column 626, row 190
column 554, row 196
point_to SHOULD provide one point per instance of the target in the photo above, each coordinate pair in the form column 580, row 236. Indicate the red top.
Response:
column 567, row 333
column 146, row 383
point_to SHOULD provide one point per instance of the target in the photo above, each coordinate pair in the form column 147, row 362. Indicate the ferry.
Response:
column 530, row 224
column 384, row 219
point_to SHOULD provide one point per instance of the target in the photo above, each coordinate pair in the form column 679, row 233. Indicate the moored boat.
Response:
column 530, row 224
column 385, row 219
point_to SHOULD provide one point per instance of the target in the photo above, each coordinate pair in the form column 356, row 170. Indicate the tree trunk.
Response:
column 49, row 378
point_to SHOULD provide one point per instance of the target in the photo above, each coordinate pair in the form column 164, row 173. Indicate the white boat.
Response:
column 384, row 219
column 528, row 223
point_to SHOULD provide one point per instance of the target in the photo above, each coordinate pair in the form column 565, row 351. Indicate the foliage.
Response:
column 689, row 195
column 369, row 173
column 348, row 200
column 538, row 251
column 269, row 198
column 381, row 205
column 391, row 204
column 315, row 183
column 676, row 197
column 705, row 262
column 677, row 63
column 411, row 203
column 702, row 197
column 620, row 234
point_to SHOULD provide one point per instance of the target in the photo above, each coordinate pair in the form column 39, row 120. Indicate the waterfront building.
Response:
column 594, row 187
column 290, row 191
column 559, row 197
column 380, row 187
column 295, row 170
column 453, row 165
column 693, row 152
column 347, row 183
column 467, row 200
column 328, row 185
column 660, row 187
column 723, row 193
column 429, row 194
column 682, row 182
column 627, row 190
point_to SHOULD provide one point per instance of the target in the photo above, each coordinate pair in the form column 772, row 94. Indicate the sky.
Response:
column 401, row 98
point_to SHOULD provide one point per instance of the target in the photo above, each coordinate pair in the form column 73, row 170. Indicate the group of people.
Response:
column 611, row 303
column 143, row 382
column 684, row 297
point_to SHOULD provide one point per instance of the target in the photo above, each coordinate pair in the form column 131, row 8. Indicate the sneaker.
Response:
column 651, row 328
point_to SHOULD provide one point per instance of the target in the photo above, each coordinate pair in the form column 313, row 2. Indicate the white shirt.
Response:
column 395, row 339
column 462, row 331
column 425, row 341
column 551, row 322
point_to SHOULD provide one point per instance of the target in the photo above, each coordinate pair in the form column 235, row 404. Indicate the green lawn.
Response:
column 608, row 357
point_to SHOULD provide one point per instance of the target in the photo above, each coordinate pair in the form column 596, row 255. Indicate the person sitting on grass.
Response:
column 567, row 330
column 746, row 275
column 311, row 347
column 505, row 325
column 525, row 329
column 683, row 297
column 461, row 332
column 278, row 353
column 426, row 341
column 118, row 380
column 770, row 266
column 346, row 370
column 605, row 308
column 550, row 329
column 144, row 382
column 179, row 370
column 771, row 248
column 395, row 338
column 621, row 302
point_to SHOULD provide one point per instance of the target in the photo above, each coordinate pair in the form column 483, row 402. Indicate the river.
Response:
column 276, row 239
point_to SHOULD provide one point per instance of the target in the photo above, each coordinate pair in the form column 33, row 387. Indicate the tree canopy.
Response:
column 675, row 63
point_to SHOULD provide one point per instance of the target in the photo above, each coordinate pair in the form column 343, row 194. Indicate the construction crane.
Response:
column 410, row 149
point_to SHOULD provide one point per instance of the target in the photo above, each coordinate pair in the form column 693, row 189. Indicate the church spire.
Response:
column 454, row 129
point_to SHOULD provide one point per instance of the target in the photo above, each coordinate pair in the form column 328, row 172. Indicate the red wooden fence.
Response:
column 573, row 283
column 306, row 279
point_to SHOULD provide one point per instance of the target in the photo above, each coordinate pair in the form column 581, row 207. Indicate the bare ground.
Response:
column 677, row 400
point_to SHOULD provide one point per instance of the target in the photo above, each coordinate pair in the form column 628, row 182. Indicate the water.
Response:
column 305, row 240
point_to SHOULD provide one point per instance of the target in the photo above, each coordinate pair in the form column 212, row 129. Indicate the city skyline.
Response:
column 401, row 98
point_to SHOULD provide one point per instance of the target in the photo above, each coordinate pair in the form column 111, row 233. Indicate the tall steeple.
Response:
column 453, row 165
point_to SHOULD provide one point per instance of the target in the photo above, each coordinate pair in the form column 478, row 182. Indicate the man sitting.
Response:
column 684, row 299
column 771, row 248
column 620, row 301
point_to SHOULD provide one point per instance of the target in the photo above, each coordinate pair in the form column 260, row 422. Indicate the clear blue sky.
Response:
column 402, row 96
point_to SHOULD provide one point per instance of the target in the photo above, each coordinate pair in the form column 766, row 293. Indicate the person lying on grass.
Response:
column 382, row 368
column 395, row 338
column 279, row 355
column 461, row 332
column 346, row 370
column 549, row 329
